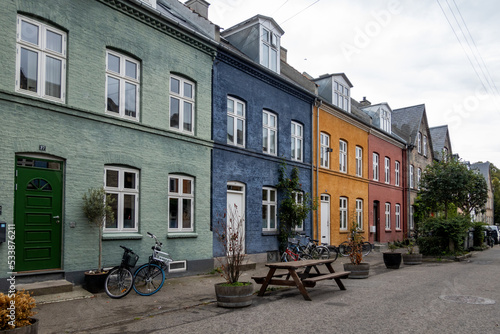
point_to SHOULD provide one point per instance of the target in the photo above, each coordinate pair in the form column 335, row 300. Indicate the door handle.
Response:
column 56, row 217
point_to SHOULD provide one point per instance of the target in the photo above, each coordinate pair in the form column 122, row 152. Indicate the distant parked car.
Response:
column 495, row 233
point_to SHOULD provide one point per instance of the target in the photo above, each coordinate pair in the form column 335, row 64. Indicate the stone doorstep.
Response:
column 248, row 266
column 47, row 287
column 77, row 293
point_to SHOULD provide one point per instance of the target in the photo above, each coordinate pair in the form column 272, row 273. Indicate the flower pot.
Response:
column 412, row 259
column 94, row 282
column 361, row 270
column 30, row 329
column 234, row 296
column 392, row 260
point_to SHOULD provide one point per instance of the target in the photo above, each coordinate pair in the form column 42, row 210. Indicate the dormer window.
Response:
column 385, row 120
column 270, row 47
column 341, row 97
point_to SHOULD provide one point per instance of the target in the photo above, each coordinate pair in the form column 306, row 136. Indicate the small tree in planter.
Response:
column 411, row 257
column 357, row 268
column 97, row 208
column 16, row 310
column 230, row 234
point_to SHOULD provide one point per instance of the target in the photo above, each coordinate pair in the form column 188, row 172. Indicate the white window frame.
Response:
column 298, row 197
column 412, row 222
column 342, row 156
column 120, row 191
column 359, row 161
column 398, row 216
column 411, row 176
column 385, row 120
column 387, row 216
column 425, row 145
column 359, row 213
column 375, row 166
column 324, row 150
column 419, row 176
column 297, row 141
column 268, row 129
column 343, row 213
column 387, row 170
column 271, row 42
column 419, row 142
column 341, row 96
column 183, row 101
column 123, row 80
column 43, row 52
column 269, row 204
column 234, row 117
column 181, row 195
column 397, row 172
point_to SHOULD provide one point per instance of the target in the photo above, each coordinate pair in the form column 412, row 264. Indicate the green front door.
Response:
column 38, row 213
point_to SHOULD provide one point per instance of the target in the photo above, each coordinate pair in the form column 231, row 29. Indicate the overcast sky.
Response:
column 400, row 52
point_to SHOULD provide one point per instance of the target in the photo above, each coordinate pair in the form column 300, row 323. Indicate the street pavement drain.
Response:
column 468, row 300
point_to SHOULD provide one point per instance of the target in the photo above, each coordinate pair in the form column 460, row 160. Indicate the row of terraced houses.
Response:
column 177, row 120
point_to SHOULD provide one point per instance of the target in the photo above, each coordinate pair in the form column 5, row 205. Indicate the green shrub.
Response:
column 432, row 245
column 443, row 236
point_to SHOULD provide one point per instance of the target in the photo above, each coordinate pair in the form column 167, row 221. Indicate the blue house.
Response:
column 261, row 117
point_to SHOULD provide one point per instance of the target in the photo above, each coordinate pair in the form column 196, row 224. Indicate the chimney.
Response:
column 283, row 53
column 365, row 102
column 198, row 6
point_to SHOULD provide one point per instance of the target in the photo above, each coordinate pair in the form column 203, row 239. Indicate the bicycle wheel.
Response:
column 323, row 252
column 304, row 257
column 119, row 282
column 148, row 279
column 284, row 257
column 334, row 252
column 345, row 248
column 366, row 248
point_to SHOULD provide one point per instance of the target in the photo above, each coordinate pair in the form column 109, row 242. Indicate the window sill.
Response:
column 181, row 235
column 121, row 236
column 269, row 233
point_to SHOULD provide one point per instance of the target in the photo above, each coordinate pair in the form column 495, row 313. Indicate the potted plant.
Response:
column 97, row 208
column 412, row 257
column 357, row 268
column 16, row 313
column 392, row 260
column 230, row 235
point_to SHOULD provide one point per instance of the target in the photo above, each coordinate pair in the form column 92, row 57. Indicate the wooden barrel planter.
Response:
column 361, row 270
column 30, row 329
column 234, row 296
column 392, row 260
column 412, row 259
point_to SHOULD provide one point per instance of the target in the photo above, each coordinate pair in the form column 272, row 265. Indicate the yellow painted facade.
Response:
column 331, row 183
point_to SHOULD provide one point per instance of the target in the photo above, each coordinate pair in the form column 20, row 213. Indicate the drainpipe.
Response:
column 317, row 104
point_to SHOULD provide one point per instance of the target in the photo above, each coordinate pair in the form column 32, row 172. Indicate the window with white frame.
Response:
column 387, row 216
column 387, row 169
column 445, row 153
column 412, row 223
column 385, row 121
column 41, row 60
column 342, row 156
column 270, row 50
column 341, row 96
column 180, row 203
column 359, row 213
column 397, row 209
column 375, row 166
column 269, row 132
column 297, row 139
column 122, row 185
column 343, row 213
column 419, row 142
column 122, row 85
column 359, row 161
column 411, row 176
column 425, row 145
column 419, row 176
column 298, row 196
column 182, row 104
column 324, row 150
column 235, row 122
column 269, row 204
column 396, row 173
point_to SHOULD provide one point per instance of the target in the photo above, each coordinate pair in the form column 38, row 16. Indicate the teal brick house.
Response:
column 104, row 93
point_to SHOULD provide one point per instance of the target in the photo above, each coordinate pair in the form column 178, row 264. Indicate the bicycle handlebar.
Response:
column 127, row 249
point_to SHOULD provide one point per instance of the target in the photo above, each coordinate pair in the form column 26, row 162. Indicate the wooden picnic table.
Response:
column 302, row 279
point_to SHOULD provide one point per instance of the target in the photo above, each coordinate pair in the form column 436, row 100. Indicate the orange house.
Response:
column 340, row 180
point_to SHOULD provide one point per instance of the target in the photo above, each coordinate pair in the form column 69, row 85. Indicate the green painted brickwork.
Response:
column 80, row 133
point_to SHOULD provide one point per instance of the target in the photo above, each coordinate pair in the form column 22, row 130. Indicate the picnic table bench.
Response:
column 300, row 279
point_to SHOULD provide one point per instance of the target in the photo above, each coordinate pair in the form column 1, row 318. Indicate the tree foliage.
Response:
column 449, row 183
column 495, row 180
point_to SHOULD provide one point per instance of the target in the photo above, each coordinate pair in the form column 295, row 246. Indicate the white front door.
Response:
column 236, row 205
column 325, row 219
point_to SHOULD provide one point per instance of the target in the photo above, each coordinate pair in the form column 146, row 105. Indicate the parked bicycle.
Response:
column 315, row 250
column 345, row 248
column 293, row 252
column 120, row 280
column 149, row 278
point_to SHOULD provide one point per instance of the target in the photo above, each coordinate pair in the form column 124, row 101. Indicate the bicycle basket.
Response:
column 131, row 259
column 162, row 256
column 293, row 240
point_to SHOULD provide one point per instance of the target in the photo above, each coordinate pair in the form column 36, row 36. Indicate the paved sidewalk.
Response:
column 92, row 312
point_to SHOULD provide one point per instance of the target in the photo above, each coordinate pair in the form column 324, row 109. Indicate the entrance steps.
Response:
column 46, row 287
column 248, row 265
column 379, row 247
